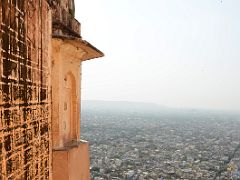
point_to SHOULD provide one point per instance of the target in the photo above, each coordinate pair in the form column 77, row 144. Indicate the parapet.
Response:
column 63, row 19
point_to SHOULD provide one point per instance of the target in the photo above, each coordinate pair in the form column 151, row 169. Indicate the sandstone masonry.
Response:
column 41, row 51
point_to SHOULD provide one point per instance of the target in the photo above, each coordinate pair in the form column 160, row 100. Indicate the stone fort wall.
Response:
column 25, row 145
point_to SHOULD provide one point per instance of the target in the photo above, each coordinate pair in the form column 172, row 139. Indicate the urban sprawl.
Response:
column 138, row 146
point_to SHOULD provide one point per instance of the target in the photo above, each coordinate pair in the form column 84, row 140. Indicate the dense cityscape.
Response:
column 137, row 145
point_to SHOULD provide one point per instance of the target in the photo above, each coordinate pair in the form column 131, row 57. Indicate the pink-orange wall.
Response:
column 72, row 163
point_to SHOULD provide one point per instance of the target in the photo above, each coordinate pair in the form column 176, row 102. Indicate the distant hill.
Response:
column 121, row 106
column 141, row 108
column 132, row 107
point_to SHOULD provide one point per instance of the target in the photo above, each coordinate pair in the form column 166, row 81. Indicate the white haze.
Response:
column 171, row 52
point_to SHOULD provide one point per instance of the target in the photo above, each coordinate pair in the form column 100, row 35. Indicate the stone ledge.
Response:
column 70, row 145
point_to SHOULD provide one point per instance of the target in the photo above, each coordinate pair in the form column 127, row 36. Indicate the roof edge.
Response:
column 91, row 51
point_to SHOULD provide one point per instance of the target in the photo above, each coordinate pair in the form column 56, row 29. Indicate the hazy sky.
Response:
column 178, row 53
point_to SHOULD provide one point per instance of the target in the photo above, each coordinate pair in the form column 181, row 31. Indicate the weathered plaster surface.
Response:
column 41, row 51
column 25, row 29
